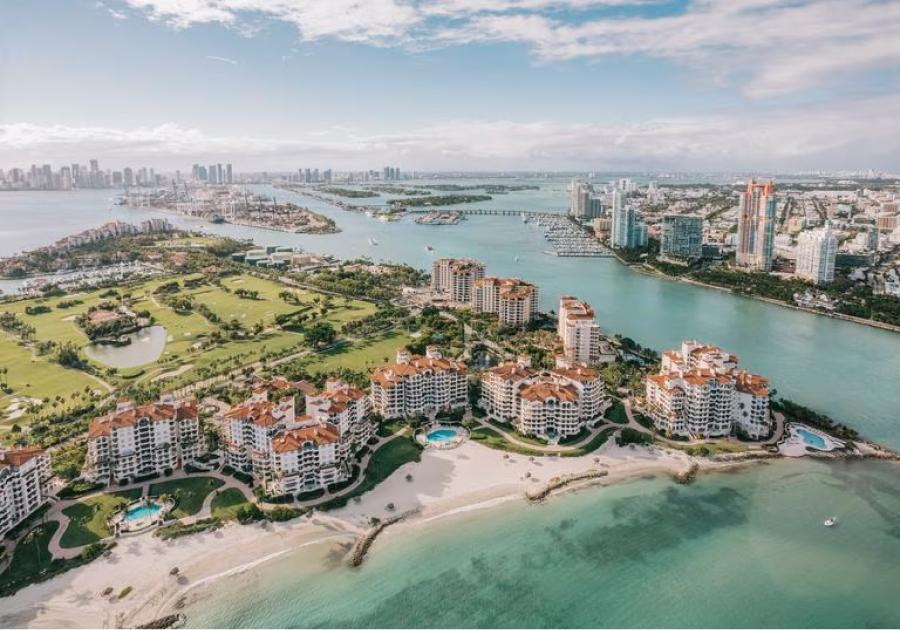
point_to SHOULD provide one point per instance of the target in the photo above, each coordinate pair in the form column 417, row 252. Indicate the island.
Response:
column 438, row 200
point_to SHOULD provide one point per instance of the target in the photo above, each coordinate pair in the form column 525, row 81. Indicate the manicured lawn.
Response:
column 226, row 504
column 189, row 493
column 596, row 442
column 37, row 378
column 360, row 355
column 617, row 414
column 32, row 554
column 492, row 439
column 32, row 562
column 88, row 518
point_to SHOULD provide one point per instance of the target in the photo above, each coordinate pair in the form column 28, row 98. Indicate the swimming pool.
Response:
column 811, row 439
column 139, row 512
column 441, row 435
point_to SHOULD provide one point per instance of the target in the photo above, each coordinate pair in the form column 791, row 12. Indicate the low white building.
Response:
column 550, row 403
column 417, row 384
column 137, row 441
column 700, row 392
column 24, row 473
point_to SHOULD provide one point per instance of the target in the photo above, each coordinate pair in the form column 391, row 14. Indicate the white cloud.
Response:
column 222, row 59
column 837, row 135
column 775, row 46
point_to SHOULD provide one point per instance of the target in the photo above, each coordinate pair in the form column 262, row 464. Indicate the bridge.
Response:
column 554, row 212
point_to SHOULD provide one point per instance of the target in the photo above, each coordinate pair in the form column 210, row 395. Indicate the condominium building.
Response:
column 453, row 278
column 514, row 301
column 417, row 384
column 549, row 403
column 700, row 392
column 816, row 253
column 138, row 441
column 756, row 227
column 346, row 407
column 626, row 230
column 681, row 237
column 623, row 219
column 579, row 331
column 583, row 203
column 24, row 473
column 286, row 453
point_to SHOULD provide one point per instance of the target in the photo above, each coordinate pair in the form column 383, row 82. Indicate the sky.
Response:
column 553, row 85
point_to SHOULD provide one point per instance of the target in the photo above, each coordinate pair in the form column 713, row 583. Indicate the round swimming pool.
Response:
column 442, row 437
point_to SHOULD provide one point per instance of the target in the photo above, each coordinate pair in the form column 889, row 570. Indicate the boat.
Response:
column 429, row 248
column 372, row 241
column 830, row 521
column 516, row 259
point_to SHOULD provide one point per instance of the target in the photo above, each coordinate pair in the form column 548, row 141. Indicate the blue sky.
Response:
column 465, row 84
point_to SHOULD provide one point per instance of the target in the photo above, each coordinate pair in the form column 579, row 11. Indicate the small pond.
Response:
column 145, row 347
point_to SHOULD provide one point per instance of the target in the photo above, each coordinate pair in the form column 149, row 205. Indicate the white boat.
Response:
column 372, row 241
column 831, row 521
column 516, row 259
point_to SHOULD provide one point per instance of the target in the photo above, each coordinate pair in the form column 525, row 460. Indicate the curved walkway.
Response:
column 776, row 436
column 549, row 448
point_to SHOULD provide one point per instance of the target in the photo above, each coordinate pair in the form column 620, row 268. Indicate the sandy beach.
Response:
column 444, row 482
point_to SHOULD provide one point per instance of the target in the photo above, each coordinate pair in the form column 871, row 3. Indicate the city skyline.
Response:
column 596, row 84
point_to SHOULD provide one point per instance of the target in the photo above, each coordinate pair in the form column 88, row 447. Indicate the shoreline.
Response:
column 447, row 484
column 639, row 268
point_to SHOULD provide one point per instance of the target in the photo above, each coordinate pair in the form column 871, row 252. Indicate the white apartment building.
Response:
column 24, row 473
column 816, row 253
column 453, row 278
column 514, row 301
column 700, row 392
column 552, row 403
column 417, row 384
column 305, row 458
column 346, row 407
column 579, row 331
column 286, row 453
column 135, row 441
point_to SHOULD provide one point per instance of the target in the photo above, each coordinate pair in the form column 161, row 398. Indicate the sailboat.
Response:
column 372, row 241
column 516, row 259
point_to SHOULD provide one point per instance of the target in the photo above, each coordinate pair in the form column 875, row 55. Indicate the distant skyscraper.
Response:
column 622, row 231
column 756, row 226
column 681, row 237
column 229, row 179
column 220, row 174
column 816, row 251
column 128, row 176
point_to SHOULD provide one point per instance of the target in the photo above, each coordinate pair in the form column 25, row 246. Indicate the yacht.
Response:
column 830, row 521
